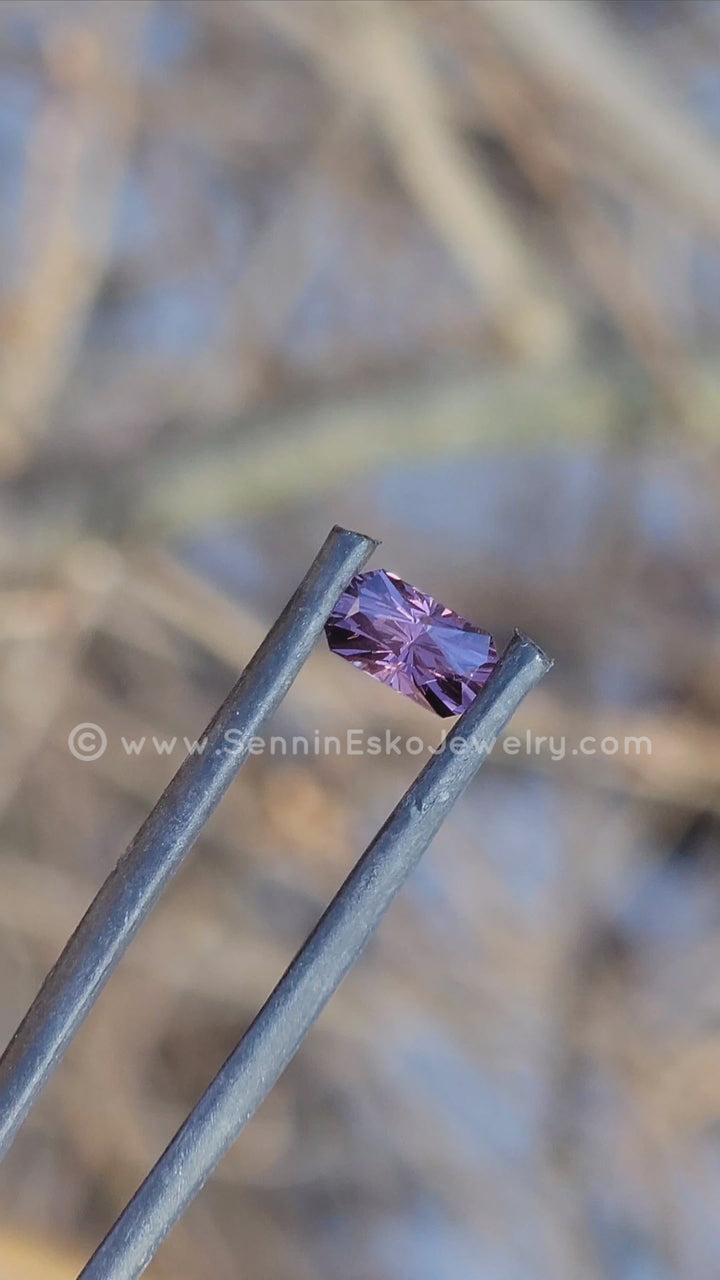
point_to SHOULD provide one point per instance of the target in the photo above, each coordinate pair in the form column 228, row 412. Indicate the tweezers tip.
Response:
column 339, row 530
column 520, row 638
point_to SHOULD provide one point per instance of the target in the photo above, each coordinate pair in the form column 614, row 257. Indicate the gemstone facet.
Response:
column 409, row 641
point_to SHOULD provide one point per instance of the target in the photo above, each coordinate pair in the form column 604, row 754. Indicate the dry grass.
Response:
column 418, row 266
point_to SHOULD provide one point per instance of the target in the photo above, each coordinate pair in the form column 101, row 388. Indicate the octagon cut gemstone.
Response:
column 408, row 640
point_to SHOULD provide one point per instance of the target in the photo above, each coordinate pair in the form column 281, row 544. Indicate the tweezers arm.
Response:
column 167, row 835
column 338, row 939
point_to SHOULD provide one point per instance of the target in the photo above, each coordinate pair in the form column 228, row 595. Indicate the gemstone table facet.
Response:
column 410, row 641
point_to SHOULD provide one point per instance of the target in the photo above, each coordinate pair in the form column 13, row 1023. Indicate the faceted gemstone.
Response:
column 408, row 640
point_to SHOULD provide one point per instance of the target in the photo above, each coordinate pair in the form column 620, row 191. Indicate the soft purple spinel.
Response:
column 408, row 640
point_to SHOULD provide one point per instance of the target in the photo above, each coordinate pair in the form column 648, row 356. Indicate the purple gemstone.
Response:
column 408, row 640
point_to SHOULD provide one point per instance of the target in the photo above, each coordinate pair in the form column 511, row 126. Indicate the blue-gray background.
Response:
column 448, row 272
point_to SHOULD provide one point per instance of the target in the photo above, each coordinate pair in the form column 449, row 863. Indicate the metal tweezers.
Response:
column 130, row 891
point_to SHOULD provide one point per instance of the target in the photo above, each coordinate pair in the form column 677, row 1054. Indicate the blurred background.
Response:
column 446, row 271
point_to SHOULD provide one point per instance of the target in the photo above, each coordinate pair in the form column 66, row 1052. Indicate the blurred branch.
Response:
column 377, row 45
column 24, row 1257
column 458, row 198
column 575, row 51
column 297, row 453
column 290, row 453
column 520, row 115
column 280, row 262
column 38, row 671
column 74, row 171
column 680, row 766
